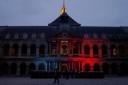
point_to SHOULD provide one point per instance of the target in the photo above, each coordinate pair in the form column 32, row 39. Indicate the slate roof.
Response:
column 74, row 28
column 64, row 19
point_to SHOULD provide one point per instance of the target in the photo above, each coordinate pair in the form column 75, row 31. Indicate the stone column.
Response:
column 100, row 51
column 9, row 68
column 37, row 51
column 48, row 66
column 27, row 69
column 18, row 69
column 10, row 49
column 19, row 51
column 108, row 50
column 82, row 49
column 117, row 46
column 91, row 51
column 57, row 49
column 36, row 67
column 1, row 51
column 28, row 51
column 46, row 50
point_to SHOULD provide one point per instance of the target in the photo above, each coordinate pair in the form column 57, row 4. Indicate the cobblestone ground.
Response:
column 29, row 81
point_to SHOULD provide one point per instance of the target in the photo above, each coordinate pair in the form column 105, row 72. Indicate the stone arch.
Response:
column 32, row 67
column 15, row 49
column 33, row 49
column 113, row 50
column 6, row 48
column 105, row 68
column 13, row 68
column 86, row 49
column 123, row 68
column 24, row 49
column 42, row 50
column 95, row 50
column 104, row 50
column 87, row 67
column 96, row 67
column 23, row 67
column 114, row 68
column 5, row 68
column 41, row 66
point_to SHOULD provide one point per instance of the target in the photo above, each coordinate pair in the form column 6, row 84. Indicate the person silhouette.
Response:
column 56, row 76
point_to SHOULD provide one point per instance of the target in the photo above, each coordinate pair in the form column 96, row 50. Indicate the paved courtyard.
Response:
column 28, row 81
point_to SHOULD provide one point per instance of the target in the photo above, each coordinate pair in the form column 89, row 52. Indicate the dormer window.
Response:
column 103, row 36
column 95, row 35
column 85, row 35
column 25, row 36
column 33, row 36
column 16, row 36
column 90, row 35
column 7, row 36
column 42, row 35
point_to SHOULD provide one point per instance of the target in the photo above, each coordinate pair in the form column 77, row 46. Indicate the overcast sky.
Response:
column 42, row 12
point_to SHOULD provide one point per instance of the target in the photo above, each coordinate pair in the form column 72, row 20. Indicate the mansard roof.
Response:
column 64, row 19
column 49, row 31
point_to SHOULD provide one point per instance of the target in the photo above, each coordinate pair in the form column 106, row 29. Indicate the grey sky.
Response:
column 86, row 12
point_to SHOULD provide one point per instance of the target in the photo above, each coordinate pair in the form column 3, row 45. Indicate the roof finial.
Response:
column 63, row 9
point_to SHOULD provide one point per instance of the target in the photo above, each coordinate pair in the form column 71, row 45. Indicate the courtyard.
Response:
column 29, row 81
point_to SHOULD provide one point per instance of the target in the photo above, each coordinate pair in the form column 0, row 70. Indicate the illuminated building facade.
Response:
column 64, row 45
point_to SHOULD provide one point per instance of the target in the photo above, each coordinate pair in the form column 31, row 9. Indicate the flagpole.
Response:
column 64, row 3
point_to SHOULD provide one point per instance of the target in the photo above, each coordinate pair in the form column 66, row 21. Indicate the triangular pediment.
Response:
column 64, row 19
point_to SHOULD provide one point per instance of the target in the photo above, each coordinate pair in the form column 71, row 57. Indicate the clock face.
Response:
column 115, row 51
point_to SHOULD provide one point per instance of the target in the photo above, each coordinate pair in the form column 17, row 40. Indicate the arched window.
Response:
column 95, row 50
column 42, row 50
column 86, row 50
column 25, row 36
column 105, row 68
column 5, row 68
column 87, row 67
column 33, row 36
column 113, row 50
column 6, row 48
column 7, row 36
column 14, row 50
column 24, row 49
column 76, row 48
column 23, row 69
column 53, row 47
column 64, row 49
column 31, row 67
column 123, row 69
column 121, row 50
column 13, row 68
column 16, row 36
column 42, row 35
column 96, row 67
column 104, row 50
column 114, row 68
column 33, row 49
column 41, row 67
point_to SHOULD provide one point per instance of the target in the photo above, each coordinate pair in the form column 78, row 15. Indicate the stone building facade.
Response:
column 64, row 45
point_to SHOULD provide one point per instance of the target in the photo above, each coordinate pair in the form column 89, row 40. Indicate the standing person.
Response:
column 67, row 74
column 56, row 76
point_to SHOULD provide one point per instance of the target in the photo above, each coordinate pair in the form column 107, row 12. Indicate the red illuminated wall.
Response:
column 80, row 57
